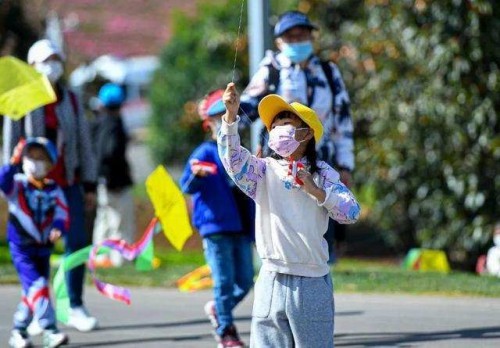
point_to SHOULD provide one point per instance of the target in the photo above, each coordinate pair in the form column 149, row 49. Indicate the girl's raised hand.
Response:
column 231, row 100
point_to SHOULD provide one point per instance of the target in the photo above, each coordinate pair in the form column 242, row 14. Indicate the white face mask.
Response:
column 53, row 69
column 496, row 239
column 35, row 169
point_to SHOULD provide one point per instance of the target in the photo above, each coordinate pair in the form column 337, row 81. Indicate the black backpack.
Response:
column 274, row 78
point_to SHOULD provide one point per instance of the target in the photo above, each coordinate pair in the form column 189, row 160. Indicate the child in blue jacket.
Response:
column 38, row 216
column 224, row 218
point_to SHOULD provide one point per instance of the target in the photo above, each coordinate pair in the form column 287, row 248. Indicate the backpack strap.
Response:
column 273, row 80
column 327, row 70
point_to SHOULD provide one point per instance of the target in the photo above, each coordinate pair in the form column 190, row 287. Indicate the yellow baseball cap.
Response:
column 273, row 104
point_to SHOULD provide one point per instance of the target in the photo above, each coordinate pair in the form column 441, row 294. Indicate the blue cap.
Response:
column 212, row 105
column 111, row 95
column 44, row 143
column 292, row 19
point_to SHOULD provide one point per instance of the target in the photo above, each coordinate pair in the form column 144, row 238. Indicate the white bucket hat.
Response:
column 43, row 49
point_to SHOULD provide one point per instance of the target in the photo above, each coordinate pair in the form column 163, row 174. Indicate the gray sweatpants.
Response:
column 292, row 311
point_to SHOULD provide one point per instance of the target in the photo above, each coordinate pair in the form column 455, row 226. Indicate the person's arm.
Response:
column 193, row 179
column 253, row 93
column 7, row 173
column 245, row 170
column 258, row 87
column 343, row 134
column 61, row 213
column 339, row 200
column 11, row 136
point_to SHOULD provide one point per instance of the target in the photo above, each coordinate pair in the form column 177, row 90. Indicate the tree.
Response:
column 425, row 79
column 19, row 28
column 197, row 59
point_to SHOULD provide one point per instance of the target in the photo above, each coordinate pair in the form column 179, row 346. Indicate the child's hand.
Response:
column 231, row 100
column 17, row 153
column 309, row 185
column 54, row 235
column 199, row 171
column 203, row 168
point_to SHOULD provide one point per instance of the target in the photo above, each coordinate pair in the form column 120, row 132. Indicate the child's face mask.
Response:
column 282, row 140
column 34, row 168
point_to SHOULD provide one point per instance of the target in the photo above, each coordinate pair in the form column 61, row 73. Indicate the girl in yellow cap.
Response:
column 295, row 195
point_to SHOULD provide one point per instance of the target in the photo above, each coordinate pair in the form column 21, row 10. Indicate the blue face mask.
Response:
column 298, row 51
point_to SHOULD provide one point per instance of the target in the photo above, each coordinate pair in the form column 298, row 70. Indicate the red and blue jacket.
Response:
column 33, row 211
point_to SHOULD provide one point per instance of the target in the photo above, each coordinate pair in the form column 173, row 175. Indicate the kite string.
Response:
column 242, row 112
column 237, row 40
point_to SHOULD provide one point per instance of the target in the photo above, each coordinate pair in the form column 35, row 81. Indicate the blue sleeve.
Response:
column 7, row 173
column 191, row 183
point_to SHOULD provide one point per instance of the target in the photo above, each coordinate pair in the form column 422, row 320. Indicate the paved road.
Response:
column 168, row 318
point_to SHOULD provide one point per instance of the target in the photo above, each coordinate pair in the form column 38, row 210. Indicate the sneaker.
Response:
column 230, row 339
column 81, row 320
column 34, row 328
column 19, row 339
column 211, row 313
column 54, row 338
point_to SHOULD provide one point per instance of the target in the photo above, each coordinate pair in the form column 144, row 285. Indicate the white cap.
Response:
column 41, row 50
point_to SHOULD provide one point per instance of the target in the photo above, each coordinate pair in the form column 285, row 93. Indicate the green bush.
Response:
column 424, row 81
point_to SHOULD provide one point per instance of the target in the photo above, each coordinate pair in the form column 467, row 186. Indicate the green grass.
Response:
column 350, row 276
column 381, row 277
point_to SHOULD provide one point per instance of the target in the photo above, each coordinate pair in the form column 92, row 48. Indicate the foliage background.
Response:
column 424, row 81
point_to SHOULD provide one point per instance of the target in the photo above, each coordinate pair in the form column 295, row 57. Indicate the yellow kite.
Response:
column 170, row 207
column 22, row 88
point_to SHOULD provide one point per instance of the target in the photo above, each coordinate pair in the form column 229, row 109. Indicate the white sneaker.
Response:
column 54, row 338
column 211, row 313
column 34, row 328
column 81, row 320
column 19, row 339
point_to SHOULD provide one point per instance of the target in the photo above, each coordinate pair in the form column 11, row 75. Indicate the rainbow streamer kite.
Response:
column 129, row 252
column 198, row 279
column 80, row 257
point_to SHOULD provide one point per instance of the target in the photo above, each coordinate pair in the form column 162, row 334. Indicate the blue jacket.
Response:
column 215, row 208
column 33, row 212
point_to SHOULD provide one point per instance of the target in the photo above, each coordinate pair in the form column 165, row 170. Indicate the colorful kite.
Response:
column 426, row 260
column 22, row 88
column 170, row 207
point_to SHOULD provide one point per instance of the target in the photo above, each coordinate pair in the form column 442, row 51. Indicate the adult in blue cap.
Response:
column 298, row 75
column 115, row 181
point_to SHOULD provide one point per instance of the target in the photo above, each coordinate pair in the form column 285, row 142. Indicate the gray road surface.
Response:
column 169, row 318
